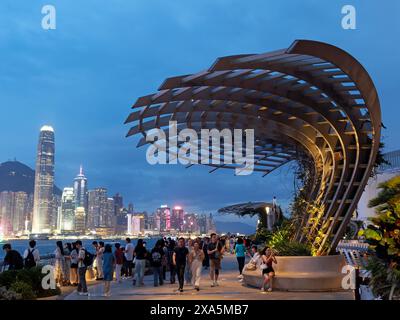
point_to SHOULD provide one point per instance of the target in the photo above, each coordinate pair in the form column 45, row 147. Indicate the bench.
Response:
column 302, row 274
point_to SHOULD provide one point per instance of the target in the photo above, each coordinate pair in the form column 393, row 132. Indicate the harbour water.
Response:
column 49, row 246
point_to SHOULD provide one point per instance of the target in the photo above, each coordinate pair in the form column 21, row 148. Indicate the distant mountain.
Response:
column 234, row 227
column 16, row 176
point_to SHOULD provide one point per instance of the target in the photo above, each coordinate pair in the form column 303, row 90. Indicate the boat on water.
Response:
column 39, row 236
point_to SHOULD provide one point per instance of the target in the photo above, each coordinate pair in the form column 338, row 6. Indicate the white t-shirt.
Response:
column 129, row 251
column 35, row 253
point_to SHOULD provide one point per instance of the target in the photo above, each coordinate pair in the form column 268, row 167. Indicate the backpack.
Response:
column 156, row 257
column 30, row 259
column 88, row 260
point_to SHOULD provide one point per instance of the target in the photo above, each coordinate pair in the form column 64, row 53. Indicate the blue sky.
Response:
column 83, row 77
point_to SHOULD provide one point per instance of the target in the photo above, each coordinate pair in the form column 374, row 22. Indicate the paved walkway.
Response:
column 229, row 289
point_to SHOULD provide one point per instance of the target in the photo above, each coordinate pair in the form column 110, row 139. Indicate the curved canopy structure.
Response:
column 310, row 100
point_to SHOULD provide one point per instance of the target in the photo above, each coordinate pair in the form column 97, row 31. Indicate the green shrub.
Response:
column 21, row 280
column 292, row 248
column 24, row 289
column 281, row 242
column 7, row 278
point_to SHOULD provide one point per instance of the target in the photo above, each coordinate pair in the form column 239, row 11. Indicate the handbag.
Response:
column 251, row 266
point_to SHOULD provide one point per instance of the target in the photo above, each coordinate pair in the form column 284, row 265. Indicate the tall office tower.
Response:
column 157, row 221
column 165, row 217
column 14, row 208
column 80, row 226
column 177, row 218
column 20, row 212
column 118, row 203
column 6, row 209
column 67, row 210
column 211, row 224
column 44, row 181
column 202, row 224
column 81, row 191
column 97, row 208
column 111, row 218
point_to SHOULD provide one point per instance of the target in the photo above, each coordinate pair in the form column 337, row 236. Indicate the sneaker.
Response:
column 181, row 290
column 240, row 276
column 83, row 293
column 269, row 289
column 214, row 284
column 262, row 290
column 197, row 288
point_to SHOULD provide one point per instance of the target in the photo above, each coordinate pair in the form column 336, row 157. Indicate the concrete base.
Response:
column 302, row 274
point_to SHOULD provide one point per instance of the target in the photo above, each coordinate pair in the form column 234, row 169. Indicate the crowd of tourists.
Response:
column 182, row 260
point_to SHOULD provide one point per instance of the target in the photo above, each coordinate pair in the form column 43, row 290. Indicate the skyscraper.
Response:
column 81, row 191
column 67, row 210
column 98, row 210
column 44, row 182
column 177, row 218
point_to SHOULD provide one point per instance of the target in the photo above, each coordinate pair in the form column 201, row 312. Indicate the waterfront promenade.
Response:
column 230, row 289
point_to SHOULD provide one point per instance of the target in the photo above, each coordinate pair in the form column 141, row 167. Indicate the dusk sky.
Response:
column 83, row 77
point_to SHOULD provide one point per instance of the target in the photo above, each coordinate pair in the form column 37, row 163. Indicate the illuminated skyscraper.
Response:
column 44, row 182
column 81, row 191
column 80, row 225
column 98, row 210
column 177, row 218
column 67, row 210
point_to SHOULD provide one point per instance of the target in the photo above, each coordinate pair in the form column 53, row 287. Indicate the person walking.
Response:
column 196, row 258
column 129, row 248
column 119, row 261
column 172, row 270
column 83, row 263
column 188, row 270
column 164, row 261
column 240, row 252
column 74, row 265
column 215, row 252
column 108, row 261
column 157, row 254
column 12, row 260
column 267, row 258
column 206, row 261
column 179, row 261
column 140, row 253
column 31, row 255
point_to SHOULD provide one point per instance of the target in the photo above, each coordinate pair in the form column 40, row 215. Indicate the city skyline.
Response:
column 87, row 84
